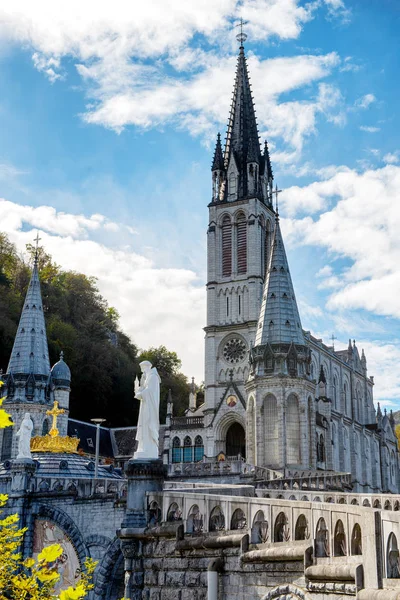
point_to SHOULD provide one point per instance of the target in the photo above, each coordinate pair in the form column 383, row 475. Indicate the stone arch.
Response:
column 64, row 521
column 281, row 530
column 356, row 541
column 217, row 519
column 45, row 427
column 174, row 513
column 321, row 539
column 194, row 521
column 301, row 529
column 283, row 592
column 222, row 426
column 339, row 540
column 235, row 443
column 259, row 530
column 176, row 450
column 97, row 540
column 106, row 577
column 392, row 558
column 387, row 505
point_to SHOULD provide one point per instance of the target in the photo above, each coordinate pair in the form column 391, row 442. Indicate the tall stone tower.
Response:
column 240, row 222
column 30, row 385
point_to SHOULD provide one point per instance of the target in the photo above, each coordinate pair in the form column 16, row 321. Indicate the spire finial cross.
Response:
column 333, row 338
column 37, row 240
column 54, row 412
column 241, row 37
column 276, row 192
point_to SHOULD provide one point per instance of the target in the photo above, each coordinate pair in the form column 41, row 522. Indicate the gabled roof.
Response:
column 30, row 353
column 279, row 320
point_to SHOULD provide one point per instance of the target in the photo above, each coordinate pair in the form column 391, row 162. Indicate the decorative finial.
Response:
column 37, row 240
column 333, row 338
column 62, row 355
column 276, row 192
column 241, row 37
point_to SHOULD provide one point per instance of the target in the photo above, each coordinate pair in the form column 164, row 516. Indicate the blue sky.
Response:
column 108, row 117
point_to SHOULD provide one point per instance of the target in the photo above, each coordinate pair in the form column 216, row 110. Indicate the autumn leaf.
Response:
column 47, row 576
column 73, row 593
column 29, row 562
column 50, row 554
column 5, row 419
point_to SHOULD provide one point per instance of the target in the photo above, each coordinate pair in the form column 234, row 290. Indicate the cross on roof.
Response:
column 37, row 240
column 333, row 338
column 276, row 192
column 241, row 37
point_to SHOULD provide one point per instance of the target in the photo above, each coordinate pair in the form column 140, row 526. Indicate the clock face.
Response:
column 234, row 350
column 231, row 401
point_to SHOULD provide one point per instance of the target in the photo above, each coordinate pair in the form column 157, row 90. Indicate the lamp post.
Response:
column 98, row 422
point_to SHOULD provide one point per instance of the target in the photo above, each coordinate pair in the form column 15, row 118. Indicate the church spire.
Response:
column 30, row 353
column 218, row 160
column 279, row 320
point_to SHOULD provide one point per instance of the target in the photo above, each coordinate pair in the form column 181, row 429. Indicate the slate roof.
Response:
column 30, row 353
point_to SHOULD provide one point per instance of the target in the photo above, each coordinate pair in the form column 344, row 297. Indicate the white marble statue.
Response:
column 24, row 434
column 148, row 425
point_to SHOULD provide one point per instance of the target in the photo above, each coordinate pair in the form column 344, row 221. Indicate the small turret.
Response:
column 379, row 417
column 268, row 175
column 363, row 360
column 60, row 381
column 218, row 172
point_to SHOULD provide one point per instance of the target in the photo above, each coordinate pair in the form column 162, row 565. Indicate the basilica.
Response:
column 281, row 485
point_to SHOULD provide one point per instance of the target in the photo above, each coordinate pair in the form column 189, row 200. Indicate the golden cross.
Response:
column 54, row 412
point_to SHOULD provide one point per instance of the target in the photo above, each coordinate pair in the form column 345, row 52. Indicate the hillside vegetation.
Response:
column 102, row 358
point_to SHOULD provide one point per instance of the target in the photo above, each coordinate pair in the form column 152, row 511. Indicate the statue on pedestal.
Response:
column 24, row 434
column 148, row 425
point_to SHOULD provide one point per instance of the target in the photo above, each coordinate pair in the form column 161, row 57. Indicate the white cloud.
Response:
column 365, row 101
column 369, row 129
column 141, row 66
column 157, row 305
column 362, row 226
column 391, row 158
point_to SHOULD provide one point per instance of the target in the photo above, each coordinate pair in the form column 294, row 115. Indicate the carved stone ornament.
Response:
column 234, row 350
column 287, row 592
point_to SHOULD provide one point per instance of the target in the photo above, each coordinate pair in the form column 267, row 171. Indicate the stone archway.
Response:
column 286, row 592
column 236, row 440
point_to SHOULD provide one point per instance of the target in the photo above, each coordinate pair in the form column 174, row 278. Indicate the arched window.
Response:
column 174, row 513
column 198, row 448
column 271, row 430
column 292, row 431
column 238, row 520
column 187, row 449
column 176, row 450
column 321, row 539
column 335, row 393
column 217, row 519
column 45, row 427
column 281, row 529
column 356, row 540
column 346, row 399
column 236, row 440
column 301, row 530
column 392, row 558
column 194, row 523
column 339, row 542
column 241, row 244
column 226, row 236
column 259, row 531
column 154, row 514
column 7, row 443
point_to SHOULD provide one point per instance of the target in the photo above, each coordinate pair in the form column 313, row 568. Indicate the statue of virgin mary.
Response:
column 149, row 421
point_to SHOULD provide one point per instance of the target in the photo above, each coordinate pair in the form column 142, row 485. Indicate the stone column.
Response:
column 143, row 476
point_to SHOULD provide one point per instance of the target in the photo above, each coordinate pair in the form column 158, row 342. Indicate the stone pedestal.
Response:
column 144, row 475
column 22, row 470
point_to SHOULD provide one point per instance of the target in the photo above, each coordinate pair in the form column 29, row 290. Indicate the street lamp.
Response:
column 98, row 422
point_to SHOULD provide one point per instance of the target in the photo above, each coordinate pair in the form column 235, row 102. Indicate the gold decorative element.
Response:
column 55, row 412
column 231, row 401
column 52, row 442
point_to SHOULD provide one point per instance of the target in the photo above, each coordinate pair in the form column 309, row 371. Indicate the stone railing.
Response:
column 187, row 422
column 232, row 466
column 303, row 482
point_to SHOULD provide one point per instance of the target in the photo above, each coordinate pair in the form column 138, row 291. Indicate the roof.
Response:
column 279, row 320
column 30, row 353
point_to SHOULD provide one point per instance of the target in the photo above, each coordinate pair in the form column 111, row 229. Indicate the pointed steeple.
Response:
column 30, row 353
column 218, row 160
column 279, row 320
column 242, row 126
column 268, row 168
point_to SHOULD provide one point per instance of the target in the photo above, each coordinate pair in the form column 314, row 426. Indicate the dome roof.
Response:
column 61, row 370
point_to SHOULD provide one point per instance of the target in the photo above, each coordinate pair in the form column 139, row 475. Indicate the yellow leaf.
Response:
column 1, row 383
column 5, row 419
column 45, row 576
column 73, row 593
column 50, row 554
column 29, row 562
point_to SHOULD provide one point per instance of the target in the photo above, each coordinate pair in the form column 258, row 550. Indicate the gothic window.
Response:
column 241, row 244
column 7, row 443
column 392, row 559
column 271, row 430
column 281, row 529
column 226, row 246
column 176, row 450
column 346, row 399
column 187, row 449
column 335, row 399
column 301, row 530
column 45, row 427
column 238, row 520
column 217, row 519
column 198, row 448
column 321, row 539
column 320, row 448
column 339, row 542
column 259, row 531
column 292, row 430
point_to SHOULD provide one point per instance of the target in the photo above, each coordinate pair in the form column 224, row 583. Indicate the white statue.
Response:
column 148, row 425
column 24, row 434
